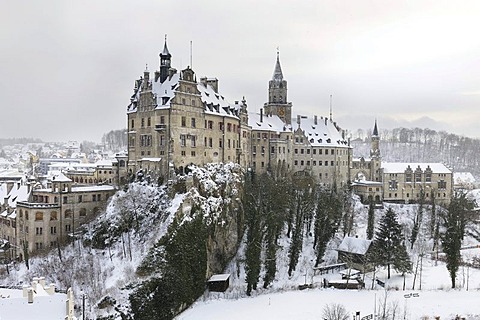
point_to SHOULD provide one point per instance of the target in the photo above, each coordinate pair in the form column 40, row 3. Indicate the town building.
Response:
column 380, row 181
column 51, row 215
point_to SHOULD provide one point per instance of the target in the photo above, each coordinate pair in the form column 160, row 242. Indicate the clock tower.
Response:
column 277, row 95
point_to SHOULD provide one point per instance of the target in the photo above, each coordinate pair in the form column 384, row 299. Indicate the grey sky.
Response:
column 68, row 67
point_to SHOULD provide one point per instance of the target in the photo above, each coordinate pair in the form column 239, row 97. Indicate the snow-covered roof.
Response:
column 17, row 193
column 463, row 177
column 400, row 167
column 323, row 133
column 60, row 177
column 268, row 123
column 354, row 245
column 219, row 277
column 214, row 102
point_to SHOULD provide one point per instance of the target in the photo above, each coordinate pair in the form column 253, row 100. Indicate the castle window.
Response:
column 220, row 143
column 193, row 141
column 53, row 230
column 184, row 121
column 296, row 151
column 162, row 120
column 308, row 151
column 408, row 177
column 149, row 122
column 38, row 216
column 210, row 125
column 183, row 140
column 326, row 152
column 302, row 162
column 273, row 150
column 143, row 122
column 193, row 123
column 295, row 162
column 133, row 123
column 314, row 151
column 192, row 153
column 53, row 215
column 302, row 151
column 162, row 140
column 220, row 126
column 184, row 153
column 428, row 177
column 229, row 127
column 308, row 163
column 210, row 142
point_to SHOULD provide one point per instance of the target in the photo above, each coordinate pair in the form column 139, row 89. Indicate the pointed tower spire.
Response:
column 165, row 62
column 277, row 73
column 375, row 130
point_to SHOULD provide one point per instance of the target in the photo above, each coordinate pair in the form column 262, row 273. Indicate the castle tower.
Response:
column 165, row 62
column 277, row 95
column 375, row 156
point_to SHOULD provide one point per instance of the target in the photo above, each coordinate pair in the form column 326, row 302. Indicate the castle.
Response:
column 175, row 120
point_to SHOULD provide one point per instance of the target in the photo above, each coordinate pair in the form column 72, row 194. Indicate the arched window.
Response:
column 68, row 214
column 38, row 216
column 83, row 212
column 53, row 215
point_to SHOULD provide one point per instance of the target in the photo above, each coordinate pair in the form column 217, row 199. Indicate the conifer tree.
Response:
column 371, row 220
column 454, row 223
column 327, row 219
column 388, row 246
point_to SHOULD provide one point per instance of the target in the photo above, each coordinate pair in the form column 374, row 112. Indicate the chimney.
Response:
column 30, row 295
column 50, row 289
column 298, row 120
column 261, row 114
column 315, row 120
column 41, row 280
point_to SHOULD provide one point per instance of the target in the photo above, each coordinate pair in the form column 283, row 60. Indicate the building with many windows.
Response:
column 380, row 181
column 175, row 120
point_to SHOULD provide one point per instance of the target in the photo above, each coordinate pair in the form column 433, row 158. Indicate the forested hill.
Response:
column 422, row 145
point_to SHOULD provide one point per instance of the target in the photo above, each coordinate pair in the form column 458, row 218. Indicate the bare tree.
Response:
column 335, row 311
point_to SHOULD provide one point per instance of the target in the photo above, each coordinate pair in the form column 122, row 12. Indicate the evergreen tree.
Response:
column 253, row 213
column 371, row 220
column 388, row 247
column 327, row 219
column 303, row 205
column 454, row 223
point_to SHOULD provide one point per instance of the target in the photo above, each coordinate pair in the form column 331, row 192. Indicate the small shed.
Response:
column 353, row 251
column 219, row 282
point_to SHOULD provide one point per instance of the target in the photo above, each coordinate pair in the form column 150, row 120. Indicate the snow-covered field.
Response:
column 434, row 299
column 309, row 304
column 283, row 300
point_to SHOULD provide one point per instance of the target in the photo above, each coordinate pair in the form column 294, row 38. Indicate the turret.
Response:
column 165, row 62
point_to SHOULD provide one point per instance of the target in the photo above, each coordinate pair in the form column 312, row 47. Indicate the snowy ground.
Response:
column 434, row 299
column 283, row 300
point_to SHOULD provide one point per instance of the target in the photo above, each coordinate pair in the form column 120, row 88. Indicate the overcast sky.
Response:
column 67, row 68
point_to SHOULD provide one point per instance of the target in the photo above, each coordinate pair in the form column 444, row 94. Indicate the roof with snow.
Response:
column 267, row 123
column 17, row 193
column 400, row 167
column 164, row 92
column 219, row 277
column 354, row 245
column 463, row 177
column 322, row 133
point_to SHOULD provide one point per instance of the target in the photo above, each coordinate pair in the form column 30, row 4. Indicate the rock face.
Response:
column 216, row 192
